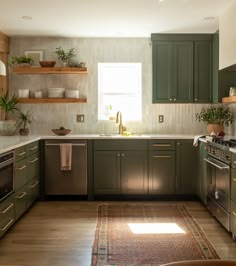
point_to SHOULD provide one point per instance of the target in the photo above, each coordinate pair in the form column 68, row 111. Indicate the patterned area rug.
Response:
column 148, row 235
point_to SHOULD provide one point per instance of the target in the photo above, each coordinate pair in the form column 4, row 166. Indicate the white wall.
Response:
column 227, row 35
column 178, row 118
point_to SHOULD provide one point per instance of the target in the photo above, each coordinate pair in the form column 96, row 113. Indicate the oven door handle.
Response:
column 214, row 163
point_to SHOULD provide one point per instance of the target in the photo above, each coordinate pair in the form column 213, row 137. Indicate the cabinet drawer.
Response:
column 20, row 174
column 33, row 189
column 162, row 144
column 123, row 145
column 20, row 153
column 32, row 163
column 20, row 201
column 32, row 148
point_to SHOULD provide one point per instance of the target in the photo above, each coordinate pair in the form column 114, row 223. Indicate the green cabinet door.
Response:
column 203, row 71
column 161, row 172
column 162, row 72
column 106, row 172
column 182, row 81
column 20, row 201
column 185, row 168
column 134, row 179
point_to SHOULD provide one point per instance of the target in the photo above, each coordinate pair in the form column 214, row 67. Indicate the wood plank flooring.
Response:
column 60, row 233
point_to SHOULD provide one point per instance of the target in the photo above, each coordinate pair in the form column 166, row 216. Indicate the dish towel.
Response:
column 196, row 140
column 66, row 156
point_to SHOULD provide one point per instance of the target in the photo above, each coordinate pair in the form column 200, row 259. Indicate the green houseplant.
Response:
column 64, row 56
column 25, row 118
column 21, row 60
column 215, row 117
column 7, row 106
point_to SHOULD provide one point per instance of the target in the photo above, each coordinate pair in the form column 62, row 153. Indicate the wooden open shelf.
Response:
column 52, row 100
column 50, row 70
column 231, row 99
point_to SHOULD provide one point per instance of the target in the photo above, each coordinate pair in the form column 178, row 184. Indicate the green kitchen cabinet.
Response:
column 182, row 68
column 120, row 167
column 203, row 71
column 185, row 168
column 172, row 71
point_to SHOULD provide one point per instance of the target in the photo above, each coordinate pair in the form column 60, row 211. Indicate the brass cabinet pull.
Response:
column 8, row 208
column 22, row 195
column 234, row 179
column 161, row 156
column 5, row 227
column 34, row 185
column 234, row 161
column 20, row 154
column 161, row 145
column 33, row 148
column 21, row 168
column 234, row 213
column 33, row 161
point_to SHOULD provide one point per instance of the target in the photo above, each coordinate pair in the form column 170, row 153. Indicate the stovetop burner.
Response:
column 226, row 143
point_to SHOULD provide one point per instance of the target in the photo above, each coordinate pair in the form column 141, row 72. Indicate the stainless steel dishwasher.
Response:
column 60, row 182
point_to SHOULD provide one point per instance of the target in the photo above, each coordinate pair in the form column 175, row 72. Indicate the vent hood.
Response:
column 227, row 38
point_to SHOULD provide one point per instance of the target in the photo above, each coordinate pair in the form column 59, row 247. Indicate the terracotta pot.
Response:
column 216, row 128
column 24, row 131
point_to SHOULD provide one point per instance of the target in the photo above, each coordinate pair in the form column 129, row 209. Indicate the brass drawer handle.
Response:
column 234, row 213
column 34, row 185
column 33, row 148
column 21, row 168
column 20, row 154
column 33, row 161
column 234, row 179
column 8, row 208
column 161, row 145
column 5, row 227
column 234, row 162
column 22, row 195
column 161, row 156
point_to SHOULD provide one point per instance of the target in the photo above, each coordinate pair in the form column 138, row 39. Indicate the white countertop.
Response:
column 8, row 143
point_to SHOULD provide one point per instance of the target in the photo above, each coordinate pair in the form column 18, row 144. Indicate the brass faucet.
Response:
column 119, row 120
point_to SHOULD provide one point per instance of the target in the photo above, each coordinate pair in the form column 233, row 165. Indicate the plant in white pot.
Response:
column 25, row 118
column 7, row 106
column 216, row 117
column 63, row 56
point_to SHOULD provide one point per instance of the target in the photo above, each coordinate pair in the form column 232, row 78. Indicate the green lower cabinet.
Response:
column 233, row 219
column 134, row 179
column 161, row 172
column 106, row 172
column 20, row 201
column 185, row 168
column 7, row 214
column 32, row 166
column 33, row 191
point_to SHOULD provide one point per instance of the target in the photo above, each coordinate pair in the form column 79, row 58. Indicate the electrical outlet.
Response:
column 161, row 118
column 80, row 118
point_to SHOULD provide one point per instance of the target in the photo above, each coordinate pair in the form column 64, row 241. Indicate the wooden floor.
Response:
column 60, row 233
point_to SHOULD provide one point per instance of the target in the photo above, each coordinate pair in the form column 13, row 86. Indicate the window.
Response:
column 119, row 89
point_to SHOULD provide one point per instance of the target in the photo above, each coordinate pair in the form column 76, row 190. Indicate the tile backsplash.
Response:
column 178, row 118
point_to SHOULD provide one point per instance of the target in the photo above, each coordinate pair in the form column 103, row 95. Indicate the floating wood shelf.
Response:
column 50, row 70
column 52, row 100
column 231, row 99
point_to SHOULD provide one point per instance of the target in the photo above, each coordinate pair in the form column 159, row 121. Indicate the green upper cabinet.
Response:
column 182, row 68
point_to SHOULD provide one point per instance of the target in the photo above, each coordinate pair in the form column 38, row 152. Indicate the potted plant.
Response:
column 24, row 119
column 64, row 56
column 216, row 117
column 7, row 106
column 23, row 60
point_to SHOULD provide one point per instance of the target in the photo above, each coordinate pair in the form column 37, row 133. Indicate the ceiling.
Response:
column 109, row 18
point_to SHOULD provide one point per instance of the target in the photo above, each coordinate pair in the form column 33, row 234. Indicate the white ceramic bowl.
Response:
column 23, row 93
column 61, row 90
column 72, row 94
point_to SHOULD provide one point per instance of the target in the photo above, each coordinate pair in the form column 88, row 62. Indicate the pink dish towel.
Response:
column 66, row 156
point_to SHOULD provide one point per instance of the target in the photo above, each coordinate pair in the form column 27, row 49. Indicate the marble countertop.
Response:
column 8, row 143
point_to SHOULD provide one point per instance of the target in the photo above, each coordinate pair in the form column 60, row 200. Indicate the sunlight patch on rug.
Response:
column 155, row 228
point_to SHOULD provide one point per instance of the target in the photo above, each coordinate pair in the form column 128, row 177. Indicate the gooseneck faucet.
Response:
column 119, row 120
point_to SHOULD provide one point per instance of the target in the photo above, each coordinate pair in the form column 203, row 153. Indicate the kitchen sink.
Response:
column 125, row 136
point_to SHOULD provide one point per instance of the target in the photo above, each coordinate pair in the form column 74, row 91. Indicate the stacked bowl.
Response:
column 72, row 94
column 56, row 92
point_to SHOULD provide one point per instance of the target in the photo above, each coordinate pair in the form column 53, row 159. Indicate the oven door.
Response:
column 6, row 178
column 218, row 184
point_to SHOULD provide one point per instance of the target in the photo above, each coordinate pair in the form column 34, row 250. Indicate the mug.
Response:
column 232, row 91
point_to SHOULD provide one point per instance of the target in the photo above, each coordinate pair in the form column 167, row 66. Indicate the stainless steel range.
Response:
column 218, row 179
